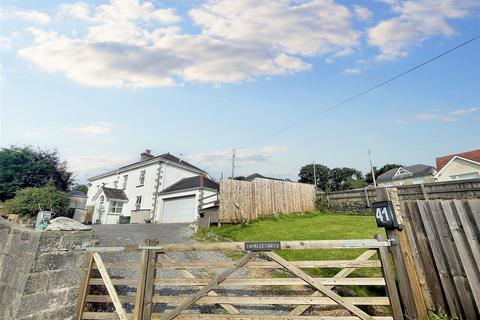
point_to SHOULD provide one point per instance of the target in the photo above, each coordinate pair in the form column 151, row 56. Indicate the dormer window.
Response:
column 402, row 172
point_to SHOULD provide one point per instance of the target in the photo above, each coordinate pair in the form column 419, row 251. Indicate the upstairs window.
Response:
column 115, row 184
column 116, row 206
column 138, row 203
column 125, row 179
column 141, row 179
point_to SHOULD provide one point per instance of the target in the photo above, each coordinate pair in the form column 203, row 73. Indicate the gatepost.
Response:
column 387, row 214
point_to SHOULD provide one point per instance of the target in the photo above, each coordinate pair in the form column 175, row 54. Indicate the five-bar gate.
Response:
column 170, row 281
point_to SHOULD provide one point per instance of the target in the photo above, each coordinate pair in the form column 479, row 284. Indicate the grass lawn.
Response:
column 312, row 226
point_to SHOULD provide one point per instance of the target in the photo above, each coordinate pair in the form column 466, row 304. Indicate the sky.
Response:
column 101, row 81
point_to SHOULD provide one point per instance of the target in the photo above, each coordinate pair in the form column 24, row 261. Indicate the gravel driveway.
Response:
column 128, row 234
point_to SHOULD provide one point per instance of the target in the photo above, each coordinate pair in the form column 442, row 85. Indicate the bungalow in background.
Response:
column 460, row 166
column 416, row 174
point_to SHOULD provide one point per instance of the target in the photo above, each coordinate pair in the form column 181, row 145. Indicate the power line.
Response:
column 364, row 92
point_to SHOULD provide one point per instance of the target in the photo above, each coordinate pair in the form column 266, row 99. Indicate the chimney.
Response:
column 146, row 155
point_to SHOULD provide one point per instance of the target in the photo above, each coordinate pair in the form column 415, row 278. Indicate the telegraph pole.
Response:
column 233, row 163
column 371, row 169
column 314, row 176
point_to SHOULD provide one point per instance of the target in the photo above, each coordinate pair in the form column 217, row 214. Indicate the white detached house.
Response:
column 161, row 189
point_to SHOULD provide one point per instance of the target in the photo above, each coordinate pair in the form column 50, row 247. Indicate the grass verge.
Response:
column 312, row 226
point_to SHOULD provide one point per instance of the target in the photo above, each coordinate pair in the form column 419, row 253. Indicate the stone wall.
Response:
column 360, row 200
column 40, row 272
column 357, row 201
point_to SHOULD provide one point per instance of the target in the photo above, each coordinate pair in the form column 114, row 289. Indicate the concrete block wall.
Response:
column 40, row 272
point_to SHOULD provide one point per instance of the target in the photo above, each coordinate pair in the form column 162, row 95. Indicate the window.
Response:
column 125, row 179
column 138, row 203
column 141, row 179
column 116, row 206
column 115, row 184
column 465, row 176
column 418, row 180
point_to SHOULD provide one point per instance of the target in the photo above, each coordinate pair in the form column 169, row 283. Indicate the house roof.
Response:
column 77, row 194
column 416, row 170
column 473, row 155
column 165, row 157
column 116, row 194
column 192, row 183
column 253, row 176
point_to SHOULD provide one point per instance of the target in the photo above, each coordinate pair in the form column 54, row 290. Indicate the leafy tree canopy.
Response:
column 26, row 167
column 30, row 201
column 332, row 179
column 80, row 187
column 378, row 172
column 321, row 172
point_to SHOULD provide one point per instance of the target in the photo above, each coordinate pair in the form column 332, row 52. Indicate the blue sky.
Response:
column 103, row 80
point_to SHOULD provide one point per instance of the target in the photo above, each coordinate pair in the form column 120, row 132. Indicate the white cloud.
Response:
column 241, row 155
column 362, row 13
column 401, row 123
column 309, row 28
column 82, row 163
column 416, row 21
column 31, row 16
column 93, row 129
column 352, row 71
column 434, row 117
column 133, row 43
column 449, row 117
column 464, row 112
column 5, row 43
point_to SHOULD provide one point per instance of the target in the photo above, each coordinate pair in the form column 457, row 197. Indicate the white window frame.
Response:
column 138, row 203
column 465, row 176
column 116, row 207
column 141, row 178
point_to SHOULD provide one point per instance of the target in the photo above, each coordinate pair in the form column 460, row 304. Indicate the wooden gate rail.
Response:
column 213, row 290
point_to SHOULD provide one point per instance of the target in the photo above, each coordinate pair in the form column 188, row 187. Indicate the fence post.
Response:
column 390, row 281
column 150, row 275
column 408, row 281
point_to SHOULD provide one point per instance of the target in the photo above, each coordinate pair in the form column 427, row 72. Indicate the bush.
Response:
column 30, row 201
column 321, row 203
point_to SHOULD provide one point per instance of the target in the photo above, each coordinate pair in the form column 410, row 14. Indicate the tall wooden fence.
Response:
column 359, row 200
column 243, row 201
column 444, row 238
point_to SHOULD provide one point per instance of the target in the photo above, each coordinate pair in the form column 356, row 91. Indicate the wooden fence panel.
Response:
column 243, row 201
column 446, row 239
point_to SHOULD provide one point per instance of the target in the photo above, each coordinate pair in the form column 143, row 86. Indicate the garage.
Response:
column 180, row 209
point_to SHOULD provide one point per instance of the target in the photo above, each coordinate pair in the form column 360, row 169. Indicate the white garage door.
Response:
column 179, row 209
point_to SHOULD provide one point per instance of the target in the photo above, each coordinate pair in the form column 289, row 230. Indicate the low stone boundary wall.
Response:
column 40, row 272
column 359, row 200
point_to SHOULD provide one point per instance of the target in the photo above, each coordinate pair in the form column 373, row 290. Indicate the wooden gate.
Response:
column 259, row 285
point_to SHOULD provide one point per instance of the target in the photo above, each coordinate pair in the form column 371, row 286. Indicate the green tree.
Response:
column 239, row 178
column 321, row 172
column 25, row 167
column 345, row 179
column 378, row 172
column 80, row 187
column 30, row 201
